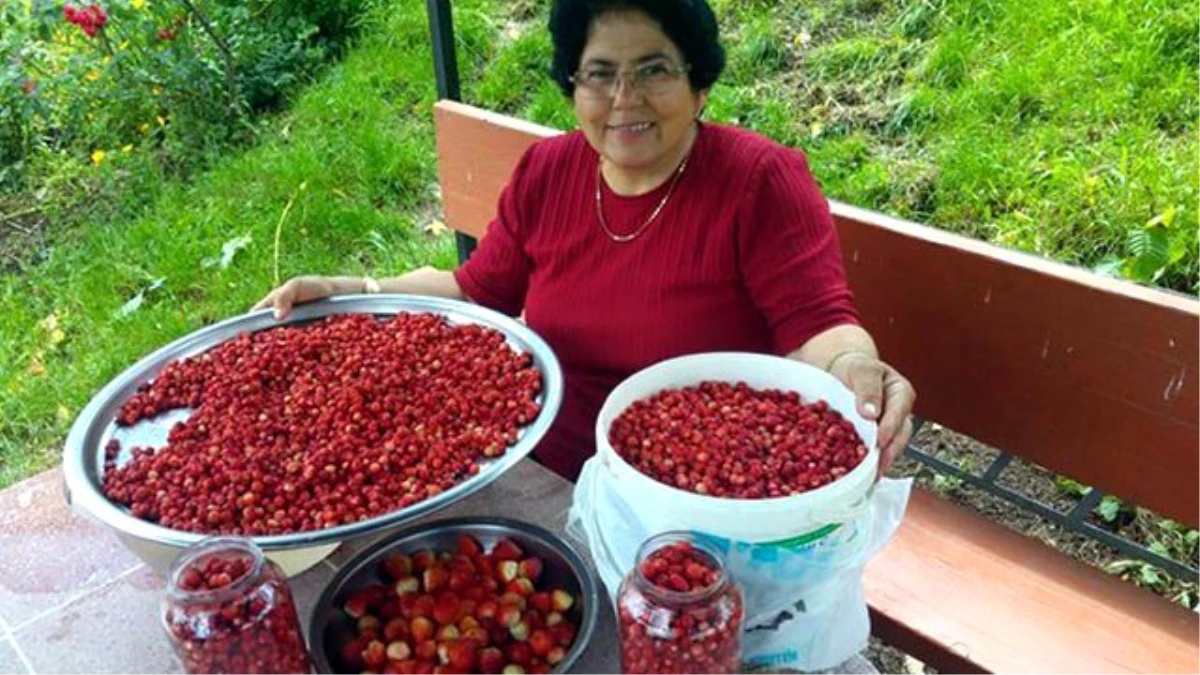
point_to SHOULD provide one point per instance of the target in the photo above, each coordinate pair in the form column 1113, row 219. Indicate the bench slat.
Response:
column 1006, row 603
column 477, row 151
column 1090, row 377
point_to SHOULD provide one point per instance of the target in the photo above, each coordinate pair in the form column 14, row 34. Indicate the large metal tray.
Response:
column 83, row 453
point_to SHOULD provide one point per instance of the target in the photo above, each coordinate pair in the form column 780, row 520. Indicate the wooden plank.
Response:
column 1090, row 377
column 477, row 150
column 967, row 595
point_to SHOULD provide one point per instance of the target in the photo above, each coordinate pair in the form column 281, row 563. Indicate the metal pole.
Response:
column 445, row 64
column 445, row 68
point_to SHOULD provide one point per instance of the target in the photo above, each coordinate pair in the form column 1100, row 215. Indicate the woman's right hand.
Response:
column 296, row 291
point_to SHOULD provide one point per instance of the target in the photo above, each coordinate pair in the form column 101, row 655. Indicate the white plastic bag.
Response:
column 804, row 599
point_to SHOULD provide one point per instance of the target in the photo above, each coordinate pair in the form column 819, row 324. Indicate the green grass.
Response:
column 1058, row 128
column 1054, row 127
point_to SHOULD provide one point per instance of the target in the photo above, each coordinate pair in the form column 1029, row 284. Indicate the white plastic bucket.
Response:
column 792, row 521
column 799, row 559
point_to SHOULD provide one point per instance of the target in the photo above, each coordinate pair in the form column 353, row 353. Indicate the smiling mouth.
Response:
column 635, row 126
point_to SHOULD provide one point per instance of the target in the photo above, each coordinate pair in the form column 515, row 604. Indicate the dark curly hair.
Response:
column 690, row 24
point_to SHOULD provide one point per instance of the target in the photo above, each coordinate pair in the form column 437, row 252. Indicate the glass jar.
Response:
column 662, row 630
column 229, row 610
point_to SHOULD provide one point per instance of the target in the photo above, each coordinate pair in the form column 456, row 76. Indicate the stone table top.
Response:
column 73, row 599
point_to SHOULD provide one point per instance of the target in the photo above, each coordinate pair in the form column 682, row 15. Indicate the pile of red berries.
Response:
column 302, row 428
column 464, row 611
column 732, row 441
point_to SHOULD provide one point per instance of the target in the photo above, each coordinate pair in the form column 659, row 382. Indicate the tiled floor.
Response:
column 9, row 661
column 50, row 555
column 73, row 599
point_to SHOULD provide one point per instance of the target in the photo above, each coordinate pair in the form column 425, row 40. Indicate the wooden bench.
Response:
column 1092, row 378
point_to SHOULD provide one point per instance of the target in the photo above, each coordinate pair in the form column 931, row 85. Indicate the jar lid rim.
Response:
column 208, row 546
column 699, row 544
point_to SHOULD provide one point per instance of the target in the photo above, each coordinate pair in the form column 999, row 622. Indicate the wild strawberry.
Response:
column 407, row 585
column 520, row 586
column 369, row 625
column 491, row 660
column 508, row 615
column 421, row 629
column 541, row 602
column 447, row 608
column 398, row 651
column 516, row 600
column 396, row 566
column 561, row 600
column 375, row 654
column 462, row 656
column 506, row 570
column 426, row 650
column 352, row 653
column 422, row 560
column 519, row 653
column 396, row 629
column 468, row 545
column 563, row 633
column 361, row 601
column 541, row 642
column 506, row 549
column 435, row 578
column 531, row 569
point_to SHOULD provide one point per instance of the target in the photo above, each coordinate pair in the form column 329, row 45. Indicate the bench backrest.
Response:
column 1090, row 377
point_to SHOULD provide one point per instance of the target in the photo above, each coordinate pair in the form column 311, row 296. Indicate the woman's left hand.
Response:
column 884, row 395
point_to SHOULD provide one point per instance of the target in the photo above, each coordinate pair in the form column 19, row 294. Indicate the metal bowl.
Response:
column 330, row 627
column 83, row 452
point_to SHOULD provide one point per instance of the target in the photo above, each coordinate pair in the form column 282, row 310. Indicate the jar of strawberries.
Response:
column 679, row 610
column 228, row 609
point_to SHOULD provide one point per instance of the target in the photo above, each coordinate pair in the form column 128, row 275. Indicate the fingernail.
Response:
column 278, row 314
column 870, row 409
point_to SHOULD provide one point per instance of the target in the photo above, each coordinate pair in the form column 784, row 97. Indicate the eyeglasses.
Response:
column 651, row 79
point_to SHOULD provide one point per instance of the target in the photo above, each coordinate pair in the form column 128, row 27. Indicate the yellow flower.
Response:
column 161, row 121
column 144, row 127
column 36, row 367
column 123, row 46
column 156, row 90
column 106, row 60
column 98, row 157
column 128, row 148
column 138, row 4
column 92, row 75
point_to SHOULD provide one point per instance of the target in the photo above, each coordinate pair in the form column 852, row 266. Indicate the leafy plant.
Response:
column 182, row 78
column 1153, row 250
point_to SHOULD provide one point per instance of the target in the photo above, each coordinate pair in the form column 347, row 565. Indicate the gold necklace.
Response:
column 626, row 238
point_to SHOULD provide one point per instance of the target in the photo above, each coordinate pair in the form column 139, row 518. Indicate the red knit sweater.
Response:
column 743, row 257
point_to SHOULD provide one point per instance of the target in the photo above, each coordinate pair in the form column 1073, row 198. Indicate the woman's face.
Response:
column 636, row 127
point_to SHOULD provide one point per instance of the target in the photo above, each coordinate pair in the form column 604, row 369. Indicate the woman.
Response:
column 647, row 234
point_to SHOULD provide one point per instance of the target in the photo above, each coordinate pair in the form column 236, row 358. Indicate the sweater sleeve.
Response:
column 788, row 253
column 497, row 273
